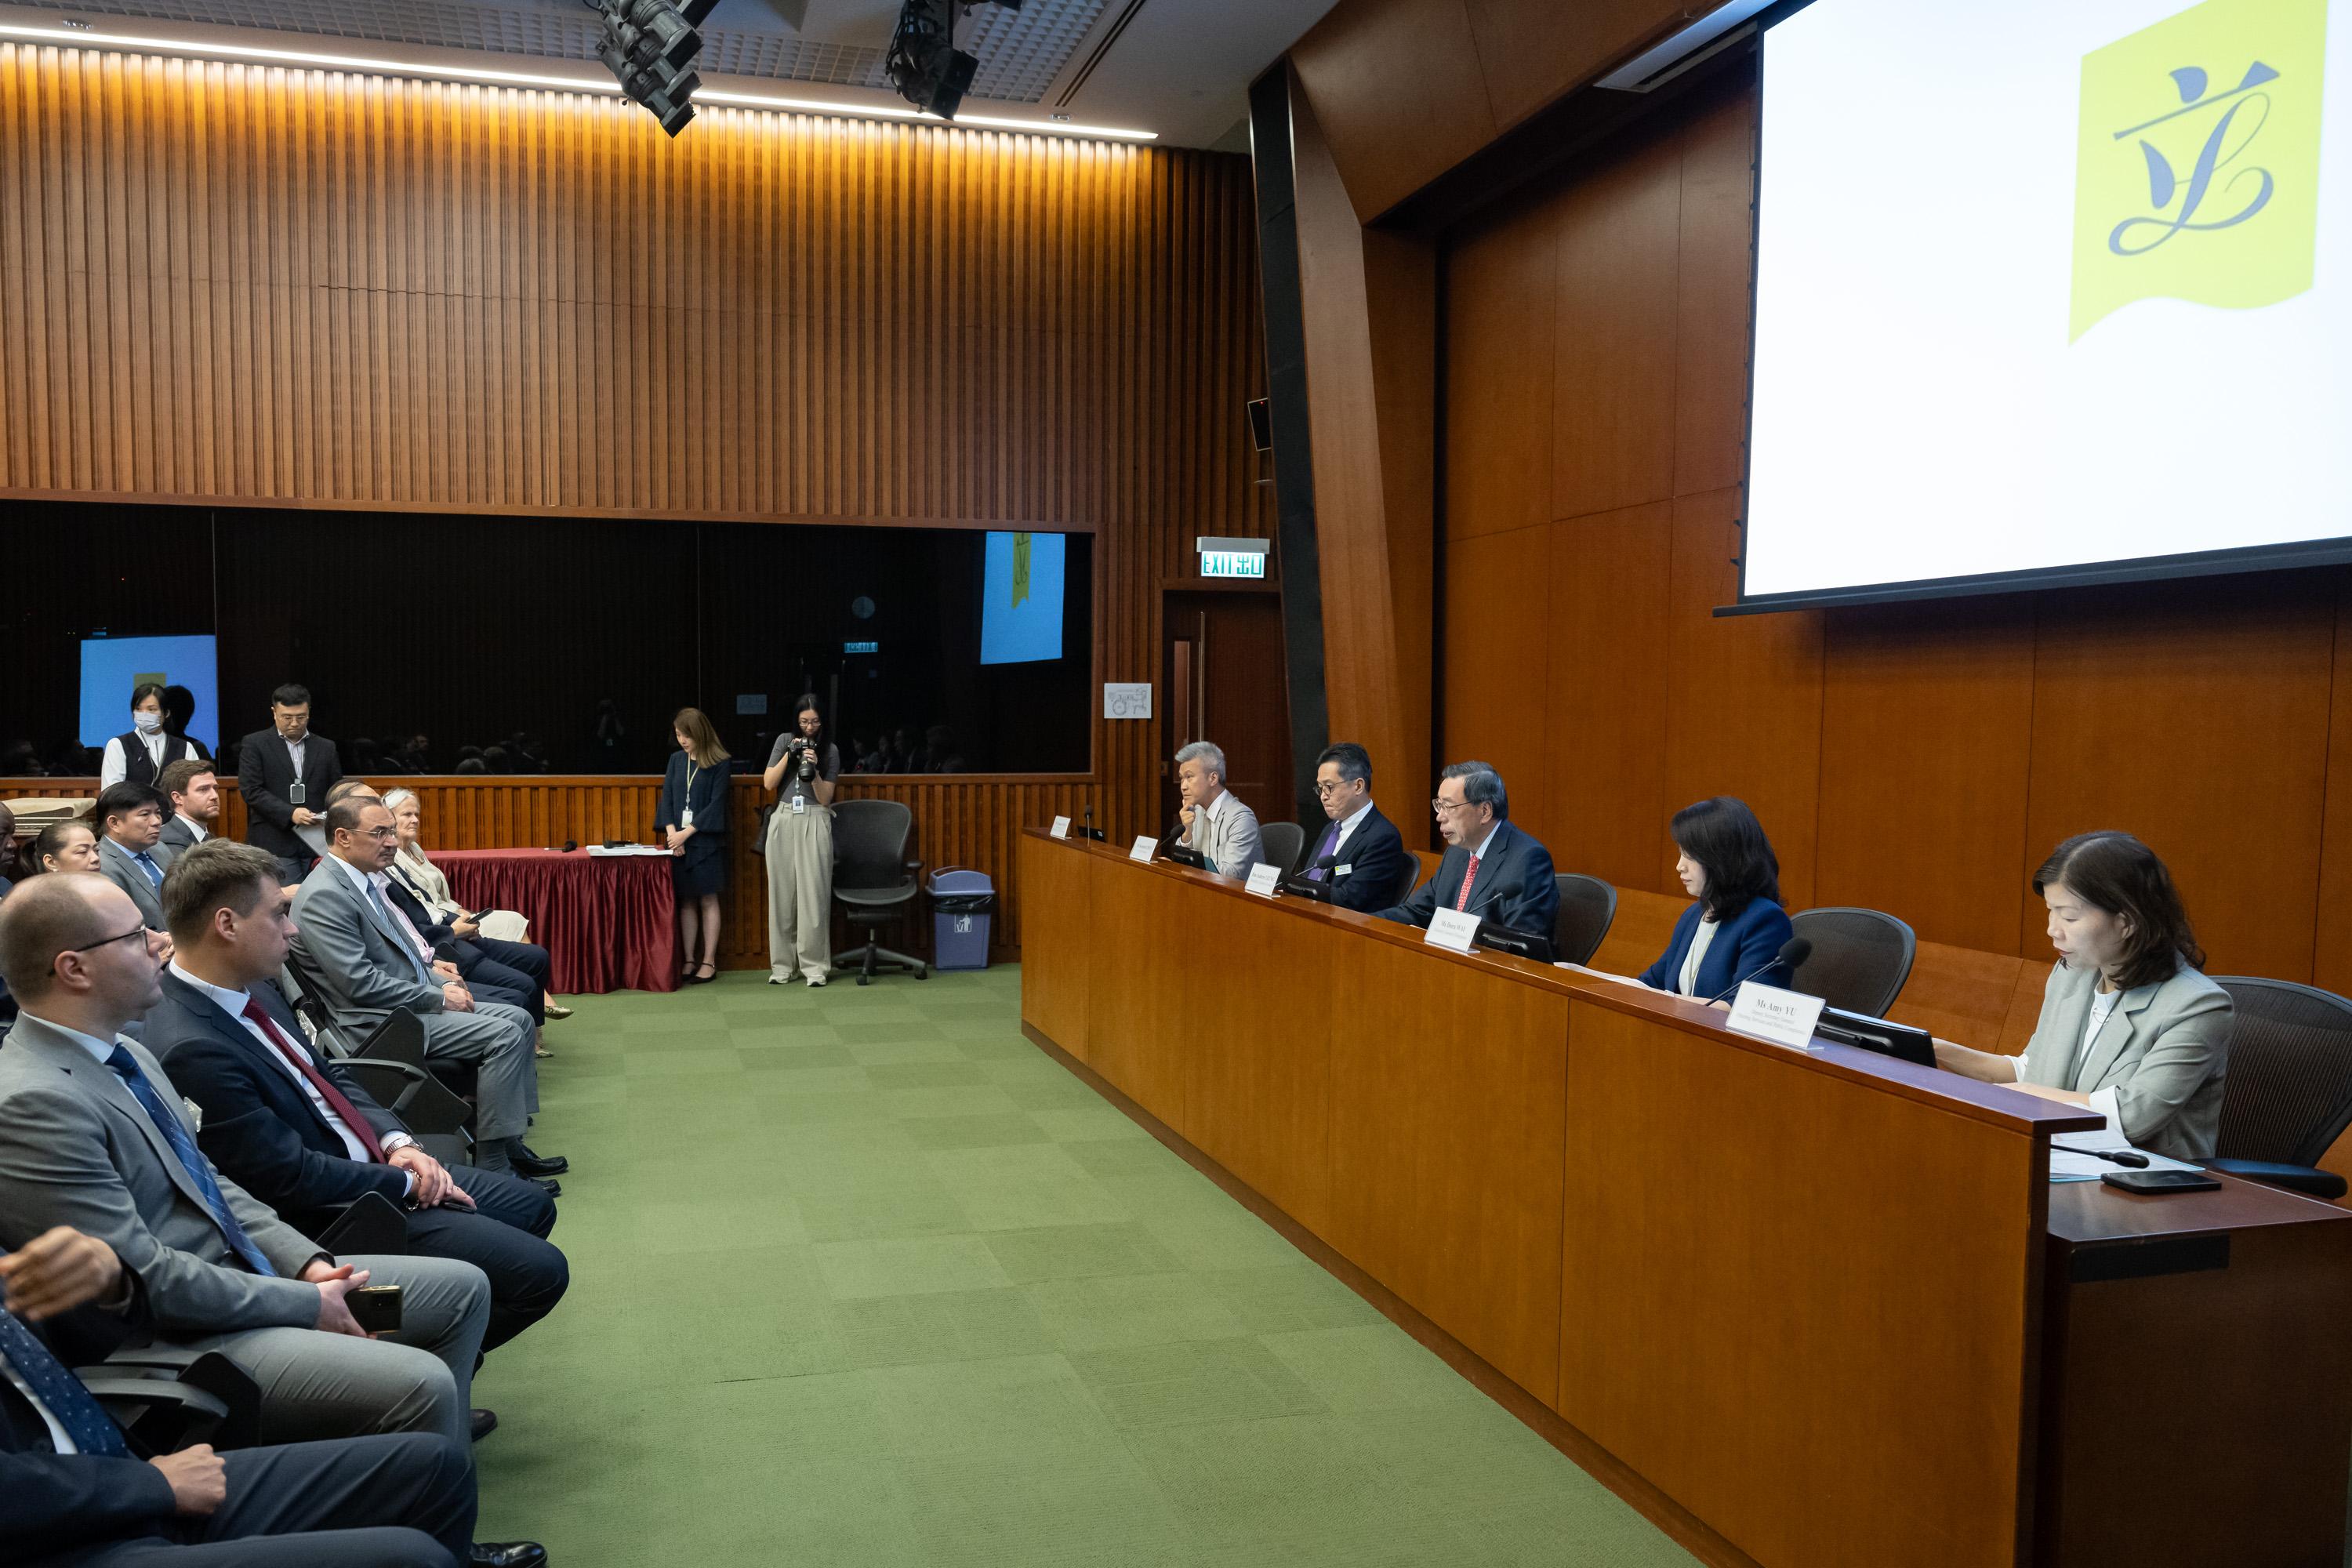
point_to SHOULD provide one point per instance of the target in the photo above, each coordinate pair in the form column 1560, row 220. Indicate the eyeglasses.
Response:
column 1447, row 808
column 1324, row 789
column 140, row 930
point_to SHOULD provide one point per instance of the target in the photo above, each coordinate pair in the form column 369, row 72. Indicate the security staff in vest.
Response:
column 1361, row 854
column 1491, row 869
column 142, row 752
column 1214, row 820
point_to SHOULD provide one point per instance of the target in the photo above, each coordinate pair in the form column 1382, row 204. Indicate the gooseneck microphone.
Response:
column 1793, row 952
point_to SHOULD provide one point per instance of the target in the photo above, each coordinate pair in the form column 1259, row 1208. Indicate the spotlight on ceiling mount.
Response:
column 650, row 46
column 924, row 64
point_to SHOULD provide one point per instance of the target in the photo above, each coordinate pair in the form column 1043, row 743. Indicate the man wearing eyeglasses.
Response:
column 1491, row 868
column 1361, row 854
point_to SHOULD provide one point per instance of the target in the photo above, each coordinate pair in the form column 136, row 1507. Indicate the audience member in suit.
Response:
column 692, row 820
column 142, row 752
column 284, row 772
column 193, row 790
column 94, row 1135
column 502, row 933
column 1366, row 852
column 1215, row 821
column 1491, row 868
column 2130, row 1025
column 295, row 1129
column 75, row 1488
column 1735, row 930
column 131, row 855
column 368, row 959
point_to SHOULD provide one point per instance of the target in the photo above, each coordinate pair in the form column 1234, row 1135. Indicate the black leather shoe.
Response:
column 554, row 1188
column 485, row 1423
column 508, row 1555
column 527, row 1163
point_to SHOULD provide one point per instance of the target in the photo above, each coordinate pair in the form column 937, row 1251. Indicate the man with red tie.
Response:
column 1491, row 868
column 294, row 1128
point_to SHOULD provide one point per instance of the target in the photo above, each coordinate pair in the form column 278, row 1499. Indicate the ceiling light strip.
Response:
column 69, row 38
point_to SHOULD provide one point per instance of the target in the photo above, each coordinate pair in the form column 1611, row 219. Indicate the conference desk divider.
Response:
column 1791, row 1304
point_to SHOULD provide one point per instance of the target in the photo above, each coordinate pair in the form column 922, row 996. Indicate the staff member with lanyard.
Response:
column 693, row 824
column 802, row 770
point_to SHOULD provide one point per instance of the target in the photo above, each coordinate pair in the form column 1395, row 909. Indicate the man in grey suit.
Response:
column 1215, row 821
column 129, row 851
column 93, row 1135
column 367, row 960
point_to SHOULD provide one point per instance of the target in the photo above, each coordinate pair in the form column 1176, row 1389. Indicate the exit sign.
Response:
column 1231, row 557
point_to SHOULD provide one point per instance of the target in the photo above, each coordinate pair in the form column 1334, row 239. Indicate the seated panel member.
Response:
column 1491, row 868
column 94, row 1135
column 296, row 1128
column 193, row 790
column 131, row 823
column 1737, row 929
column 2128, row 1025
column 1366, row 852
column 1216, row 823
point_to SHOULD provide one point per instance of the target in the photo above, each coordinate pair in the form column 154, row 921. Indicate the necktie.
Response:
column 1462, row 901
column 147, row 864
column 85, row 1420
column 375, row 896
column 191, row 1161
column 337, row 1101
column 1327, row 843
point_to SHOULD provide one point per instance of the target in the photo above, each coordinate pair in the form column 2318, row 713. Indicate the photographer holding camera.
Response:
column 801, row 770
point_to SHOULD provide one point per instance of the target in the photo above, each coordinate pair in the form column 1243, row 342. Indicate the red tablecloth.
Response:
column 607, row 922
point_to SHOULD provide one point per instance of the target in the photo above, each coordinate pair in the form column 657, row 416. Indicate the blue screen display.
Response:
column 1021, row 598
column 113, row 667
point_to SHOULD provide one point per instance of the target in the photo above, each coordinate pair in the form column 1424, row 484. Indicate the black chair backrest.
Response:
column 1859, row 959
column 869, row 845
column 2289, row 1090
column 1407, row 881
column 1587, row 907
column 1280, row 844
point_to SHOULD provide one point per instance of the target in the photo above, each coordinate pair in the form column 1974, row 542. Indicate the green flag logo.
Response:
column 2197, row 161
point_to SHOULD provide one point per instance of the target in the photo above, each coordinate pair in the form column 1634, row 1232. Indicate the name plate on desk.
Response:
column 1061, row 828
column 1144, row 845
column 1769, row 1012
column 1264, row 879
column 1454, row 929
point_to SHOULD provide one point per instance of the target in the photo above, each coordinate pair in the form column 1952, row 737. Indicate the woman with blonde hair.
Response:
column 498, row 933
column 692, row 820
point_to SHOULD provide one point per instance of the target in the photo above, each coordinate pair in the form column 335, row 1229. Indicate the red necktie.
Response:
column 1463, row 902
column 318, row 1080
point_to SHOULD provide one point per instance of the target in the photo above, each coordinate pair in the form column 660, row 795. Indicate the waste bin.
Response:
column 963, row 905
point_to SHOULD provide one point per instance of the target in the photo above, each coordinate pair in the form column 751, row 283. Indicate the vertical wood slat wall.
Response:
column 229, row 283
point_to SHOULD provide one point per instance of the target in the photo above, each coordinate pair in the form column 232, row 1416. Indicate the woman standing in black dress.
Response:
column 693, row 822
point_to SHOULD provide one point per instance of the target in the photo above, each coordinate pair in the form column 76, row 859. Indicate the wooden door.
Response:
column 1221, row 668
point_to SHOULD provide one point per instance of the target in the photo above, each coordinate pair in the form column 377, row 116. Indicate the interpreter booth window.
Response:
column 438, row 643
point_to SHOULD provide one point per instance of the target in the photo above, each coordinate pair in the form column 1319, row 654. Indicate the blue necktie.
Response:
column 60, row 1392
column 147, row 864
column 375, row 897
column 193, row 1162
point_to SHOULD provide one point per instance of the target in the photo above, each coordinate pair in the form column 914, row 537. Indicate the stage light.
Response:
column 924, row 64
column 650, row 46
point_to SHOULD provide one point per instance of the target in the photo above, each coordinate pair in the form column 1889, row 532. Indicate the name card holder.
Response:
column 1264, row 879
column 1769, row 1012
column 1144, row 845
column 1455, row 929
column 1061, row 828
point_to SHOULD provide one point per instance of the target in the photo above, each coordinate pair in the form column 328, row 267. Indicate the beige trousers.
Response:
column 800, row 891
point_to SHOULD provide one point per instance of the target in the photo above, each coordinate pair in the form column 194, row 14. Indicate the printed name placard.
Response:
column 1769, row 1012
column 1454, row 929
column 1263, row 880
column 1144, row 845
column 1061, row 828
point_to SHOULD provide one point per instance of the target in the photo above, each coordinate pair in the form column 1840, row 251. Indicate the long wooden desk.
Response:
column 1798, row 1297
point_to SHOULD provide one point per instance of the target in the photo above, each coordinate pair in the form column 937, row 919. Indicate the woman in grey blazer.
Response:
column 2129, row 1027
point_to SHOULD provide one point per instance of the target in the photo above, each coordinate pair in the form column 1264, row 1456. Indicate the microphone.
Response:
column 1793, row 952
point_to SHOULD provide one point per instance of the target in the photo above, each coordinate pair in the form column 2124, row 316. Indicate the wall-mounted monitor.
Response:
column 114, row 667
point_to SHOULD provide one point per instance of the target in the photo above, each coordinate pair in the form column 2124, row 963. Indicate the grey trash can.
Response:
column 963, row 906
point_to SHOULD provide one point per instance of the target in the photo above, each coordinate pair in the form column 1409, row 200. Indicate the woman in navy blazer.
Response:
column 1737, row 923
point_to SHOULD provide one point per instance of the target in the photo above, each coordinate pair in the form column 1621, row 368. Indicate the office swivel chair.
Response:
column 873, row 880
column 1279, row 846
column 1588, row 907
column 2288, row 1095
column 1859, row 959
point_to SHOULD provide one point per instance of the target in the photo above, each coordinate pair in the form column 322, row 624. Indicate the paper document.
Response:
column 601, row 852
column 1602, row 974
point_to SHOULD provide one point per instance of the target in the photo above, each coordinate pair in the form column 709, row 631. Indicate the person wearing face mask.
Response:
column 2130, row 1025
column 142, row 752
column 1735, row 929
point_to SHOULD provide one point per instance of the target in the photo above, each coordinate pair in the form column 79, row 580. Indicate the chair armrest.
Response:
column 913, row 865
column 2304, row 1178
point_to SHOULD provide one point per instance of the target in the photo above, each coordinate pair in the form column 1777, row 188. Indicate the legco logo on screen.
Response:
column 2197, row 161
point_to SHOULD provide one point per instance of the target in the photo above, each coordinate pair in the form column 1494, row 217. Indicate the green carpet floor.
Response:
column 861, row 1277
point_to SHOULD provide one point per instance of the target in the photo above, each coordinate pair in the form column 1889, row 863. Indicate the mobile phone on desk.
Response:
column 2157, row 1181
column 375, row 1307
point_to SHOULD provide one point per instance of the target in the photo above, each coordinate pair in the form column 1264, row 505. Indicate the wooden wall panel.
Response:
column 1495, row 672
column 1714, row 271
column 2332, row 957
column 1607, row 701
column 1499, row 374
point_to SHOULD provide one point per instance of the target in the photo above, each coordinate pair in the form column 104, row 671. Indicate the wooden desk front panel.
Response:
column 1789, row 1299
column 1447, row 1086
column 1138, row 978
column 1055, row 975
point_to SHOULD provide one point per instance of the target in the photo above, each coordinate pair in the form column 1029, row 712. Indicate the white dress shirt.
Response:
column 1702, row 937
column 116, row 765
column 1348, row 824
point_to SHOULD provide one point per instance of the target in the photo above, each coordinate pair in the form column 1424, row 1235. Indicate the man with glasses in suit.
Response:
column 1491, row 868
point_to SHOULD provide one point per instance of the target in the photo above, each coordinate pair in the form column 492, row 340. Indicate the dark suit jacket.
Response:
column 259, row 1127
column 48, row 1501
column 179, row 835
column 1515, row 886
column 1372, row 865
column 1742, row 950
column 265, row 773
